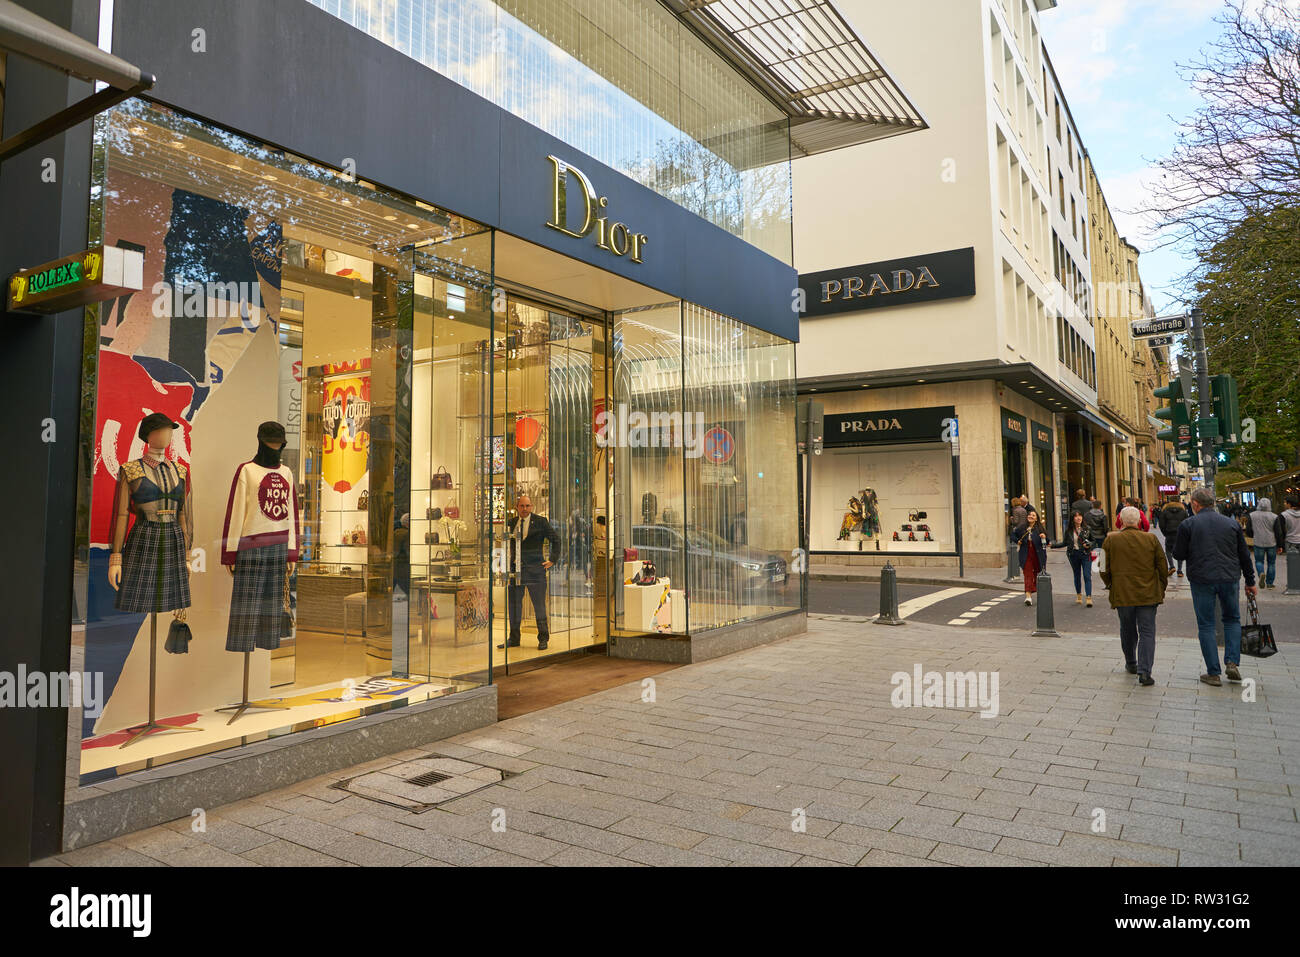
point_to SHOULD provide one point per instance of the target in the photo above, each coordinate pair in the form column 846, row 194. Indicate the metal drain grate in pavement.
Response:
column 422, row 784
column 428, row 778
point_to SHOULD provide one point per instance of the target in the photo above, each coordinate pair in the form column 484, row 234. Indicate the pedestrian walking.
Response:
column 1263, row 526
column 1078, row 550
column 1082, row 502
column 1016, row 517
column 1032, row 539
column 1291, row 528
column 1214, row 548
column 1137, row 575
column 1132, row 503
column 1171, row 516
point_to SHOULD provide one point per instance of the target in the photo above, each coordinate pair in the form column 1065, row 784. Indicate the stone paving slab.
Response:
column 794, row 754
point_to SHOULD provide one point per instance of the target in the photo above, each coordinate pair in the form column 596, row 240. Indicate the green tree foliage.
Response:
column 1249, row 290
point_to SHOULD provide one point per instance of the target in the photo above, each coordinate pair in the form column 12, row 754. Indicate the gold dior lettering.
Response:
column 903, row 280
column 613, row 237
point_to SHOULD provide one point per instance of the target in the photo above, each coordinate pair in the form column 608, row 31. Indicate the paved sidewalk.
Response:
column 715, row 769
column 920, row 575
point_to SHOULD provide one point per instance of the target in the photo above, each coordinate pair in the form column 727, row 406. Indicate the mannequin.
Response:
column 148, row 566
column 260, row 547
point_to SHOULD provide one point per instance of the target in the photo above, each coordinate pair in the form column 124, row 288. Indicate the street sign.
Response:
column 1155, row 342
column 719, row 445
column 1146, row 328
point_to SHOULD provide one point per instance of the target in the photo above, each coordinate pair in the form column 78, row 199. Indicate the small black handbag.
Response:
column 178, row 636
column 1256, row 639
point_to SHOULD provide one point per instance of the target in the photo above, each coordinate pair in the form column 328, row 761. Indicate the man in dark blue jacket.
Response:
column 529, row 565
column 1214, row 547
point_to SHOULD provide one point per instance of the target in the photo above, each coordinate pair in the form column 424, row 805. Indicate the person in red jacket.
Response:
column 1146, row 524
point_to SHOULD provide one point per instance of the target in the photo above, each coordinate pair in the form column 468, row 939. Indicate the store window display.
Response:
column 270, row 295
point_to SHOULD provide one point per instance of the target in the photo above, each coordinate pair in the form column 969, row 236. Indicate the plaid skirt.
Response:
column 154, row 573
column 257, row 601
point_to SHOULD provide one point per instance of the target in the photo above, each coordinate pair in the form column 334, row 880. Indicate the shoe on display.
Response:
column 1211, row 680
column 1146, row 680
column 1231, row 671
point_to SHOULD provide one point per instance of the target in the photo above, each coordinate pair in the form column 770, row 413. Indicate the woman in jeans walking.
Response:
column 1032, row 539
column 1078, row 549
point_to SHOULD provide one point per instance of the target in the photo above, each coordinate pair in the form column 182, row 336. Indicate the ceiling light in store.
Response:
column 138, row 130
column 270, row 177
column 346, row 201
column 177, row 144
column 390, row 217
column 412, row 225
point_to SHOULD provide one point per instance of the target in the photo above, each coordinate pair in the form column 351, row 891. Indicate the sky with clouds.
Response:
column 1117, row 60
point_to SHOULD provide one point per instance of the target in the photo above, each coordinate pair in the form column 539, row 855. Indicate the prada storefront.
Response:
column 885, row 482
column 368, row 352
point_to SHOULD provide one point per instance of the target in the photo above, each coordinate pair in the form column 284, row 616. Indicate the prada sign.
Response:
column 891, row 425
column 1040, row 436
column 1014, row 427
column 893, row 282
column 576, row 211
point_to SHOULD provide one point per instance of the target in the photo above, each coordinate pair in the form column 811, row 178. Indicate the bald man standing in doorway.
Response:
column 529, row 565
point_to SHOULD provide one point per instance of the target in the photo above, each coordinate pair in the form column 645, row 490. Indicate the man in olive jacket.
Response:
column 1137, row 575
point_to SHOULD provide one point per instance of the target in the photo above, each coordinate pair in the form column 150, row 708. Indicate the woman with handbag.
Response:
column 1032, row 539
column 1078, row 549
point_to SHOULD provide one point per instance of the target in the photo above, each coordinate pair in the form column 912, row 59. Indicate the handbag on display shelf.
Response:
column 646, row 575
column 440, row 478
column 452, row 510
column 431, row 538
column 433, row 514
column 1257, row 640
column 629, row 554
column 363, row 501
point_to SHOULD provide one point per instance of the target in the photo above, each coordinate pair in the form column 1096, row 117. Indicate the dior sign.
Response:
column 616, row 237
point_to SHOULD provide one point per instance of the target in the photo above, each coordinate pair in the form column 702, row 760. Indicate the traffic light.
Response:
column 1224, row 455
column 1175, row 413
column 1223, row 397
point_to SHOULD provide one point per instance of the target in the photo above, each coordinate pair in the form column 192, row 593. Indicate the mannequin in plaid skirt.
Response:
column 148, row 564
column 260, row 544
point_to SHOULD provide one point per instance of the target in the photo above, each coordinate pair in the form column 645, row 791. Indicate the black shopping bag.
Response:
column 1256, row 639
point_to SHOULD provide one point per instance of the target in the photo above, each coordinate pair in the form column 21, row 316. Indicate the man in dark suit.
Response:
column 528, row 566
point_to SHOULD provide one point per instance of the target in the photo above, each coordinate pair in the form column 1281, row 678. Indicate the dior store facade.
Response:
column 381, row 298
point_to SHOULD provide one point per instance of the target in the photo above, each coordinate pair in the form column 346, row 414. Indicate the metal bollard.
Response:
column 888, row 597
column 1013, row 563
column 1292, row 570
column 1046, row 613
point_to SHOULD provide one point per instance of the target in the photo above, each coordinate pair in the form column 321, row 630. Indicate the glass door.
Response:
column 452, row 479
column 551, row 360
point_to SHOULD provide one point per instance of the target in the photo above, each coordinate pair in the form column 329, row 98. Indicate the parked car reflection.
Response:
column 736, row 573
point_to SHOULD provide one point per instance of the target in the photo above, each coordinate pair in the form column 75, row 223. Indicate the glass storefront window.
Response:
column 903, row 490
column 666, row 111
column 273, row 292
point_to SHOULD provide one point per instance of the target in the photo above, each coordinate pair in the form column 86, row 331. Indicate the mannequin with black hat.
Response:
column 259, row 545
column 153, row 528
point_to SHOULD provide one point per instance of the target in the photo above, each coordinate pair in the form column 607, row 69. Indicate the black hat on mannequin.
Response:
column 270, row 432
column 153, row 422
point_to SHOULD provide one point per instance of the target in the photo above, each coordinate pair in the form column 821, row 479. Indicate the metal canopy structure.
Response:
column 26, row 34
column 807, row 60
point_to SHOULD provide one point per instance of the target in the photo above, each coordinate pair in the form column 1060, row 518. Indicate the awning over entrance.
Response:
column 26, row 34
column 1108, row 432
column 809, row 61
column 1284, row 478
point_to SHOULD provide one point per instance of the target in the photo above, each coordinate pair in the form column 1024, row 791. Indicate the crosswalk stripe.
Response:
column 913, row 605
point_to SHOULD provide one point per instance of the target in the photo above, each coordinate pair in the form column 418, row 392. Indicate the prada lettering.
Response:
column 851, row 286
column 891, row 282
column 870, row 425
column 1015, row 426
column 568, row 203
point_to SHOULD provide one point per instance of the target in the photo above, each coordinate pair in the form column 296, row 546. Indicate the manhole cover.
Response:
column 422, row 784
